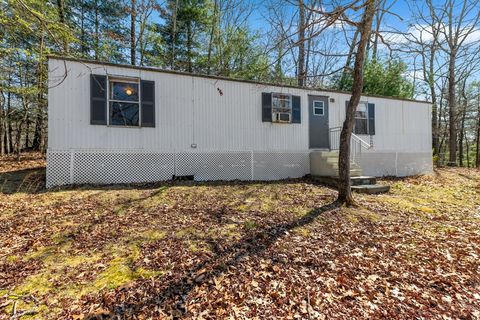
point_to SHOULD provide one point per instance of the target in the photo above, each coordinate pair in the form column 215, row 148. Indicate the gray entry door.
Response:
column 318, row 122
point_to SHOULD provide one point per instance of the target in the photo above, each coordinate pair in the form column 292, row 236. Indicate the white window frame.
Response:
column 123, row 79
column 321, row 108
column 276, row 112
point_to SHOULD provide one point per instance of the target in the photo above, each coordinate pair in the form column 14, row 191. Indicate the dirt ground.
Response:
column 279, row 250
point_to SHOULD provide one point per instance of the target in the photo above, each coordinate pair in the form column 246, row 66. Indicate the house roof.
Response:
column 199, row 75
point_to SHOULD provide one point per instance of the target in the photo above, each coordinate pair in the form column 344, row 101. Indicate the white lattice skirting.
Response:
column 107, row 167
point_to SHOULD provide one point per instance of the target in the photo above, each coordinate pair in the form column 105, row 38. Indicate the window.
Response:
column 281, row 107
column 318, row 108
column 124, row 102
column 361, row 119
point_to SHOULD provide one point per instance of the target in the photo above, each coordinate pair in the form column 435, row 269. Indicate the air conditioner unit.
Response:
column 281, row 117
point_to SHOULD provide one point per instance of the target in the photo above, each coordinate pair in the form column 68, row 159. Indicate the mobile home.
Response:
column 113, row 123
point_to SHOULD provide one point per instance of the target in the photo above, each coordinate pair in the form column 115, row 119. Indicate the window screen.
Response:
column 361, row 119
column 281, row 107
column 124, row 103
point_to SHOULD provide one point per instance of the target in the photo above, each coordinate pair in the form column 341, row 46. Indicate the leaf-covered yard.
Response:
column 239, row 250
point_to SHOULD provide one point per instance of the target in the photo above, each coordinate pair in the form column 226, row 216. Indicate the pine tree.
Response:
column 185, row 22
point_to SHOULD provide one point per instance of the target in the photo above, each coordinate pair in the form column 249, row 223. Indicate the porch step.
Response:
column 362, row 184
column 371, row 188
column 334, row 172
column 355, row 181
column 325, row 163
column 363, row 180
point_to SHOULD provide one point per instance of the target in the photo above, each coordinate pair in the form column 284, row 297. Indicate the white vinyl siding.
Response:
column 190, row 110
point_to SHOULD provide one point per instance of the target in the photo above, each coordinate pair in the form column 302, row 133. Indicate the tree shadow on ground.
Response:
column 25, row 180
column 172, row 299
column 33, row 181
column 468, row 177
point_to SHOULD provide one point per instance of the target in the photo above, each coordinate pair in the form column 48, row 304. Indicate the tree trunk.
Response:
column 212, row 36
column 441, row 133
column 133, row 17
column 28, row 123
column 380, row 10
column 2, row 123
column 348, row 62
column 83, row 45
column 365, row 27
column 461, row 133
column 97, row 31
column 278, row 65
column 8, row 123
column 10, row 137
column 433, row 94
column 301, row 44
column 61, row 17
column 452, row 147
column 435, row 140
column 18, row 137
column 189, row 47
column 461, row 138
column 467, row 148
column 39, row 135
column 477, row 150
column 174, row 35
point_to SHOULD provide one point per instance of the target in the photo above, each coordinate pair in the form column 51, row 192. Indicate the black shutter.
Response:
column 371, row 119
column 266, row 107
column 98, row 99
column 148, row 103
column 296, row 112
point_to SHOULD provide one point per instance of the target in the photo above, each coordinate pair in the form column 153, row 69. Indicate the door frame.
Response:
column 310, row 109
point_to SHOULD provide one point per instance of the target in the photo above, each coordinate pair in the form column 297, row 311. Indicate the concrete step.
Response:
column 353, row 172
column 335, row 161
column 363, row 180
column 325, row 163
column 352, row 168
column 371, row 188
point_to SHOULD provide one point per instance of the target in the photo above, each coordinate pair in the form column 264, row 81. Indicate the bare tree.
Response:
column 301, row 71
column 364, row 28
column 477, row 138
column 382, row 7
column 423, row 41
column 456, row 26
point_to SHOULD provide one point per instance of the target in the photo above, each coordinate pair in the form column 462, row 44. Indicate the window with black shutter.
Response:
column 124, row 102
column 364, row 121
column 281, row 108
column 128, row 102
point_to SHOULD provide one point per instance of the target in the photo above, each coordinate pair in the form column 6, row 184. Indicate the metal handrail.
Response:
column 357, row 143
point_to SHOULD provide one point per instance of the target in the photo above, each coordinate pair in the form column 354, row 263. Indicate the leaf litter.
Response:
column 276, row 250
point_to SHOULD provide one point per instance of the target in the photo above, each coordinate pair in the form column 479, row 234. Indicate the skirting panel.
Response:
column 280, row 165
column 399, row 164
column 121, row 167
column 108, row 167
column 58, row 168
column 214, row 166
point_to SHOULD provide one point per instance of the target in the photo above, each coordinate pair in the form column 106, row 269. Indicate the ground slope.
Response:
column 239, row 250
